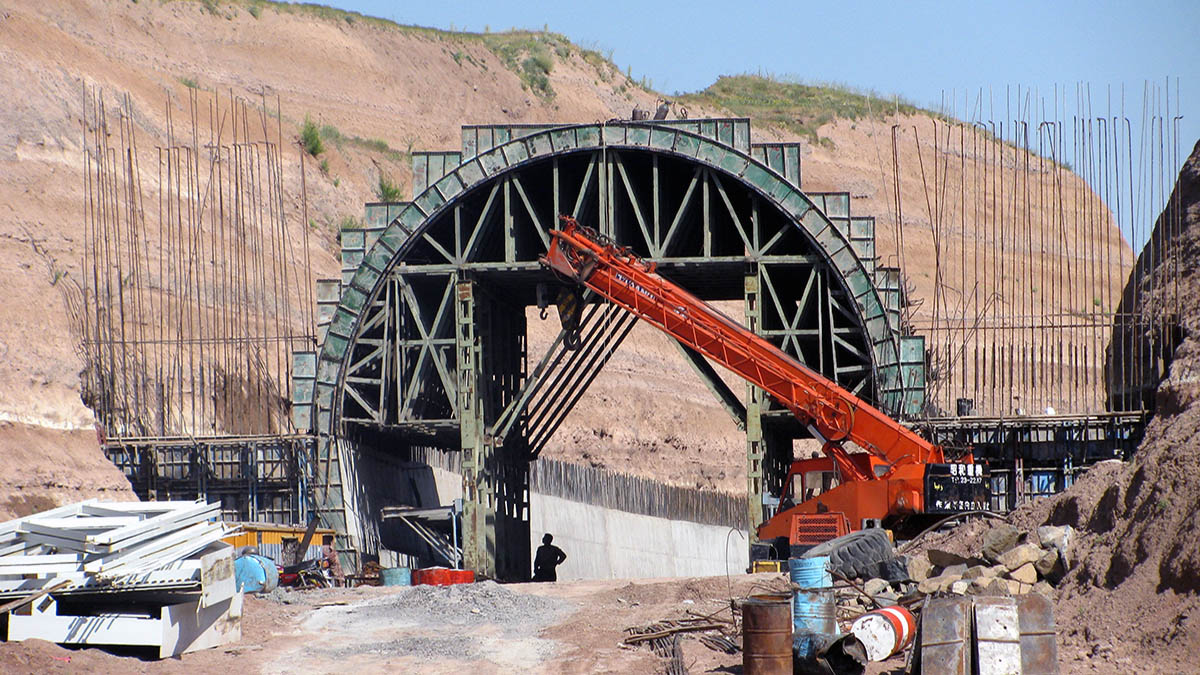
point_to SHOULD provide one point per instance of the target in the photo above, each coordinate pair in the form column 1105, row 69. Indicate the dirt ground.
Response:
column 568, row 627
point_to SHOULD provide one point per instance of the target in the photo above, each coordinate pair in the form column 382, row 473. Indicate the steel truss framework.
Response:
column 1037, row 456
column 428, row 341
column 255, row 478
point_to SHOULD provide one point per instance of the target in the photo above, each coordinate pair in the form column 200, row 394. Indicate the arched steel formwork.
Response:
column 427, row 343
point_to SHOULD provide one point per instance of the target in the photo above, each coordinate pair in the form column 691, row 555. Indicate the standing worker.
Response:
column 548, row 557
column 331, row 560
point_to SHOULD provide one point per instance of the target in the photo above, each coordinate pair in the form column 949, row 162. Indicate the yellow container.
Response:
column 766, row 566
column 268, row 538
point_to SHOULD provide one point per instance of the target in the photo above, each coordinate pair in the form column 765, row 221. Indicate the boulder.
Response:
column 874, row 587
column 1014, row 586
column 1025, row 574
column 1050, row 566
column 919, row 568
column 1044, row 589
column 938, row 584
column 982, row 572
column 945, row 558
column 1020, row 555
column 1059, row 538
column 999, row 539
column 997, row 586
column 956, row 570
column 960, row 587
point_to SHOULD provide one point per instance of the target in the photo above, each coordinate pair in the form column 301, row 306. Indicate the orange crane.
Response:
column 891, row 479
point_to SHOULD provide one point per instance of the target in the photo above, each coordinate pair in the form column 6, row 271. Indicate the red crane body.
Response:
column 886, row 481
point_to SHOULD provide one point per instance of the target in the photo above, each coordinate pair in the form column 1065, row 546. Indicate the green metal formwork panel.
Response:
column 381, row 214
column 329, row 292
column 757, row 176
column 304, row 382
column 479, row 138
column 430, row 201
column 351, row 259
column 587, row 136
column 352, row 239
column 636, row 136
column 515, row 153
column 783, row 158
column 470, row 173
column 449, row 185
column 865, row 250
column 834, row 205
column 730, row 131
column 411, row 218
column 887, row 278
column 862, row 227
column 429, row 166
column 912, row 349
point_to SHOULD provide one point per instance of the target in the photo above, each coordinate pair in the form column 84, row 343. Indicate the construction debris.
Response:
column 1011, row 562
column 124, row 573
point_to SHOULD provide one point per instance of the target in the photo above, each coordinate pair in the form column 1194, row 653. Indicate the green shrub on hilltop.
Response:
column 799, row 107
column 310, row 137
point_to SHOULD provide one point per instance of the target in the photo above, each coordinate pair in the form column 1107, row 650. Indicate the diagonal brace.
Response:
column 715, row 384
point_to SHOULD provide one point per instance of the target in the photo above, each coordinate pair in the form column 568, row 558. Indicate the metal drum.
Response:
column 766, row 636
column 814, row 619
column 396, row 576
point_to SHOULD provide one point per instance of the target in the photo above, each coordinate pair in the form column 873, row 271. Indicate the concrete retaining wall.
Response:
column 605, row 543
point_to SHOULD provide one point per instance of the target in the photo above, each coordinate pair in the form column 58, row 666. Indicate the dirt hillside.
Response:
column 1129, row 601
column 377, row 91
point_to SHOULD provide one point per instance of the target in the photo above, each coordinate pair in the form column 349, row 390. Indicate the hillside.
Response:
column 375, row 91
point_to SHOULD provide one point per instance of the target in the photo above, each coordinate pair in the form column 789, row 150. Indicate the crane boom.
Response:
column 836, row 415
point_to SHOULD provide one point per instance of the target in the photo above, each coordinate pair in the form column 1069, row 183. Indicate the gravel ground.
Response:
column 484, row 626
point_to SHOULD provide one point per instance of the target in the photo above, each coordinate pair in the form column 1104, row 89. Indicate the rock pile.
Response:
column 1010, row 562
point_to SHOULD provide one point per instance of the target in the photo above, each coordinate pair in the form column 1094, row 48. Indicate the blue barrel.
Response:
column 813, row 606
column 255, row 574
column 813, row 611
column 396, row 576
column 811, row 572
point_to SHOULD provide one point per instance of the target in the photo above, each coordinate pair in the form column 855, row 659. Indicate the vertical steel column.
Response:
column 479, row 514
column 755, row 400
column 768, row 450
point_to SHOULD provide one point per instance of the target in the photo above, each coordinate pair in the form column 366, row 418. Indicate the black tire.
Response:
column 858, row 555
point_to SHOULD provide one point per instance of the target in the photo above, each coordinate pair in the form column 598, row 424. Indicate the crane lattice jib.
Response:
column 612, row 271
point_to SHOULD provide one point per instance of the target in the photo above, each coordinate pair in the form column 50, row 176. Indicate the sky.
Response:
column 923, row 51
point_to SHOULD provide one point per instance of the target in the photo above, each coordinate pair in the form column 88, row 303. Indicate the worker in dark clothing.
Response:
column 547, row 558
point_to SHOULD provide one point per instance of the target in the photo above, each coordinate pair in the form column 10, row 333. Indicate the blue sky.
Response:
column 923, row 51
column 915, row 49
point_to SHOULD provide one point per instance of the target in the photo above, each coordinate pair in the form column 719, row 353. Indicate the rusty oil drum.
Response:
column 766, row 635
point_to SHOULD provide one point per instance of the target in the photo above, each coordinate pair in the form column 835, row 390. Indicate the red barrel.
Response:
column 885, row 631
column 441, row 576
